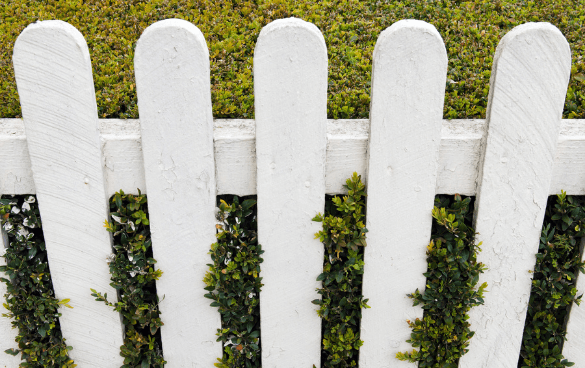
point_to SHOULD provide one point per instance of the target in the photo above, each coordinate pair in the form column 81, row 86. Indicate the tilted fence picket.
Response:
column 290, row 156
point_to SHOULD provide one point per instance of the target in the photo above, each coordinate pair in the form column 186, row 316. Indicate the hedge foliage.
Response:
column 471, row 30
column 233, row 283
column 133, row 275
column 341, row 303
column 452, row 276
column 558, row 264
column 30, row 300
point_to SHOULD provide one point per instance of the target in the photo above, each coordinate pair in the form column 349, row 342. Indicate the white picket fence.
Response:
column 291, row 156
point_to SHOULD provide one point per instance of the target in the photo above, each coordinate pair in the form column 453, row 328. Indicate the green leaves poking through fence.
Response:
column 452, row 275
column 30, row 300
column 344, row 236
column 558, row 263
column 233, row 283
column 133, row 276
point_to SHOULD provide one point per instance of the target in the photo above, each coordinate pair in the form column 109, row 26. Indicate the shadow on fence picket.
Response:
column 291, row 156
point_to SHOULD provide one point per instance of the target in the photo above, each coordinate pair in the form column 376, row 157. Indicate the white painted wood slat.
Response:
column 347, row 142
column 528, row 85
column 408, row 89
column 290, row 87
column 54, row 79
column 7, row 334
column 573, row 349
column 174, row 100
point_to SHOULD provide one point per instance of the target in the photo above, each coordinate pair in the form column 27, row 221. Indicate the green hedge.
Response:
column 471, row 31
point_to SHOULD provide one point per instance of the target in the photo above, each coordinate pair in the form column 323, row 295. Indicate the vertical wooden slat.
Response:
column 408, row 88
column 574, row 349
column 7, row 334
column 290, row 87
column 53, row 75
column 528, row 84
column 174, row 100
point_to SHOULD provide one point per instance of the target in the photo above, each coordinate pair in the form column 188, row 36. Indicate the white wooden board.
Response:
column 7, row 333
column 174, row 100
column 527, row 90
column 347, row 141
column 408, row 90
column 290, row 88
column 574, row 348
column 53, row 75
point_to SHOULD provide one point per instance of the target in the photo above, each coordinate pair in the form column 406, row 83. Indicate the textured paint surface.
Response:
column 123, row 162
column 174, row 100
column 347, row 142
column 527, row 90
column 573, row 349
column 53, row 75
column 7, row 334
column 290, row 86
column 408, row 89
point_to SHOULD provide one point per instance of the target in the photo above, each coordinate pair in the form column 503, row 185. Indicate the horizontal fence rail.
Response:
column 347, row 143
column 290, row 157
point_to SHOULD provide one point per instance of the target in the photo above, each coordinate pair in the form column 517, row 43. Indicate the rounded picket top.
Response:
column 400, row 38
column 60, row 44
column 286, row 49
column 409, row 71
column 528, row 85
column 153, row 46
column 535, row 56
column 292, row 29
column 172, row 70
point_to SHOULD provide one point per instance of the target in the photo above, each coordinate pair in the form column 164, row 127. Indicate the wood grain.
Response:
column 527, row 90
column 55, row 85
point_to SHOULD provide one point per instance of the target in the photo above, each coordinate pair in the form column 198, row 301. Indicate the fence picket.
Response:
column 7, row 334
column 408, row 79
column 290, row 86
column 529, row 81
column 174, row 100
column 573, row 347
column 54, row 79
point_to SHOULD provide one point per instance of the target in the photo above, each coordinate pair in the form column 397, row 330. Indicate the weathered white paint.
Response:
column 290, row 87
column 7, row 333
column 573, row 348
column 409, row 71
column 174, row 100
column 529, row 81
column 123, row 162
column 53, row 74
column 347, row 142
column 235, row 156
